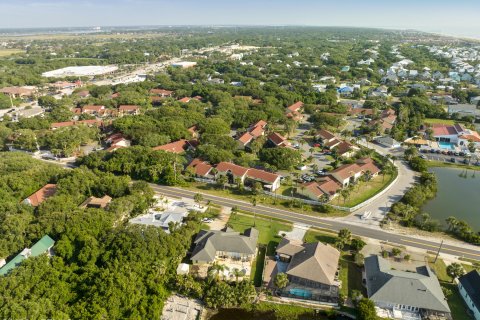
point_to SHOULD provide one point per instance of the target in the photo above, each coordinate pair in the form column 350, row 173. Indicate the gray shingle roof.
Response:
column 471, row 284
column 207, row 243
column 419, row 289
column 289, row 247
column 317, row 262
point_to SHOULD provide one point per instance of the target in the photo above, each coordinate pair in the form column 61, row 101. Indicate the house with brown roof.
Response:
column 324, row 136
column 161, row 93
column 41, row 195
column 128, row 110
column 295, row 111
column 94, row 202
column 179, row 146
column 17, row 92
column 277, row 140
column 345, row 149
column 90, row 123
column 94, row 110
column 316, row 190
column 188, row 99
column 248, row 176
column 201, row 169
column 254, row 131
column 350, row 173
column 311, row 268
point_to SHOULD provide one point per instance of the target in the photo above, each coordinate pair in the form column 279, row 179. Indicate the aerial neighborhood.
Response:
column 197, row 173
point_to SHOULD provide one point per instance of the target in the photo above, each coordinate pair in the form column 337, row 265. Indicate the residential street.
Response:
column 368, row 231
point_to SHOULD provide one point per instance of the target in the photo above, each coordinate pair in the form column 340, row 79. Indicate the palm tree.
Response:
column 222, row 180
column 324, row 198
column 215, row 269
column 345, row 193
column 198, row 198
column 455, row 270
column 237, row 273
column 452, row 223
column 387, row 170
column 234, row 212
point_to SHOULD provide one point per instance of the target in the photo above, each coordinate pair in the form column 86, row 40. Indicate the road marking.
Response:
column 443, row 249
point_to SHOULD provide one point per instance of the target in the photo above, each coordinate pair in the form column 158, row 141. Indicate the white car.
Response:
column 366, row 215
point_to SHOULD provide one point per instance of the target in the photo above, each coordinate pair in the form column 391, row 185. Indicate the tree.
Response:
column 234, row 212
column 366, row 310
column 345, row 193
column 345, row 235
column 281, row 158
column 254, row 204
column 198, row 198
column 222, row 180
column 455, row 270
column 281, row 280
column 215, row 270
column 396, row 252
column 357, row 244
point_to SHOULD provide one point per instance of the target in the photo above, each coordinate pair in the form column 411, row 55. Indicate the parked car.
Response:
column 456, row 154
column 423, row 157
column 452, row 160
column 317, row 145
column 461, row 153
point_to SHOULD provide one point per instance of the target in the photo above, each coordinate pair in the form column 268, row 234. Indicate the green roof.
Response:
column 37, row 249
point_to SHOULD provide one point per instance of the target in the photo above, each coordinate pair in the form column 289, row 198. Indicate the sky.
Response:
column 453, row 17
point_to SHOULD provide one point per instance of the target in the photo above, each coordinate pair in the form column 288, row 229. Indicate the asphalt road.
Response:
column 363, row 231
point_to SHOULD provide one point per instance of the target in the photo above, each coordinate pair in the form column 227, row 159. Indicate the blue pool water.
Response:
column 446, row 145
column 301, row 293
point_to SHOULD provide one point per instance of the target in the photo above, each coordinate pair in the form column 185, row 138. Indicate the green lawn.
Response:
column 455, row 301
column 9, row 52
column 364, row 190
column 434, row 164
column 268, row 238
column 264, row 200
column 442, row 121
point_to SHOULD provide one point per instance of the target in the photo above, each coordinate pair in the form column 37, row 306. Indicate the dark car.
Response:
column 465, row 161
column 461, row 154
column 452, row 160
column 432, row 150
column 456, row 153
column 438, row 151
column 449, row 152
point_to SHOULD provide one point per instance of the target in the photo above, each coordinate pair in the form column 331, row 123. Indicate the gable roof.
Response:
column 277, row 139
column 325, row 134
column 349, row 170
column 419, row 289
column 471, row 283
column 262, row 175
column 178, row 147
column 207, row 243
column 236, row 170
column 161, row 92
column 324, row 186
column 128, row 108
column 41, row 194
column 295, row 107
column 316, row 262
column 40, row 247
column 245, row 138
column 200, row 167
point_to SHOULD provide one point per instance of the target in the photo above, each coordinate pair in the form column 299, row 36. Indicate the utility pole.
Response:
column 438, row 252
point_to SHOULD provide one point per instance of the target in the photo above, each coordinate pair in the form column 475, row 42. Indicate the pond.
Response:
column 458, row 195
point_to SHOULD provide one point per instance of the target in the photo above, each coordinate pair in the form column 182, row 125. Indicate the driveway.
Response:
column 381, row 206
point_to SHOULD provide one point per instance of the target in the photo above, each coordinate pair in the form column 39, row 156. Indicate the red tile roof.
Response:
column 296, row 106
column 161, row 92
column 443, row 129
column 128, row 108
column 93, row 108
column 179, row 146
column 324, row 186
column 245, row 138
column 278, row 139
column 200, row 167
column 264, row 176
column 237, row 171
column 42, row 194
column 325, row 134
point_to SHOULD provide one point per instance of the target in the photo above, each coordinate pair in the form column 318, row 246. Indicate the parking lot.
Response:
column 449, row 156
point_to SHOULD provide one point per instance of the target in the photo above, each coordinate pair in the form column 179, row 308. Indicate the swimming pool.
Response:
column 446, row 145
column 301, row 293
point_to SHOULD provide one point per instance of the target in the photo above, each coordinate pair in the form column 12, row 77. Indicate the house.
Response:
column 350, row 173
column 42, row 246
column 388, row 142
column 469, row 287
column 18, row 92
column 295, row 111
column 94, row 110
column 311, row 269
column 232, row 171
column 128, row 110
column 193, row 130
column 450, row 133
column 117, row 141
column 83, row 93
column 464, row 110
column 161, row 93
column 216, row 246
column 248, row 176
column 90, row 123
column 345, row 149
column 317, row 190
column 41, row 195
column 405, row 294
column 188, row 99
column 179, row 146
column 269, row 180
column 94, row 202
column 277, row 140
column 201, row 169
column 324, row 136
column 254, row 131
